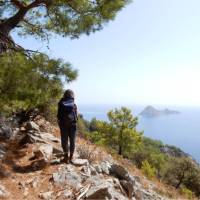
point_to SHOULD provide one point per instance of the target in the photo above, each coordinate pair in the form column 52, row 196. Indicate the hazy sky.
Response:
column 150, row 54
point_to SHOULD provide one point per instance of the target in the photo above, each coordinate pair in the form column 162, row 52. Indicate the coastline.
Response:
column 175, row 130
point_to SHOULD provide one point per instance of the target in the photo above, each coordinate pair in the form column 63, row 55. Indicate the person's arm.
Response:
column 76, row 112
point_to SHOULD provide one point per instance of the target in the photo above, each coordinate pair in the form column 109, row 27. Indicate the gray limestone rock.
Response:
column 105, row 167
column 67, row 194
column 5, row 132
column 80, row 162
column 3, row 192
column 2, row 151
column 32, row 126
column 128, row 186
column 98, row 168
column 104, row 189
column 99, row 192
column 65, row 177
column 93, row 170
column 46, row 195
column 47, row 151
column 119, row 171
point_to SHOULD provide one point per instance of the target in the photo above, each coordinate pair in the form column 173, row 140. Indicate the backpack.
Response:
column 68, row 111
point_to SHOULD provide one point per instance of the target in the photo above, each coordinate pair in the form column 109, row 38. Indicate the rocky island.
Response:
column 150, row 111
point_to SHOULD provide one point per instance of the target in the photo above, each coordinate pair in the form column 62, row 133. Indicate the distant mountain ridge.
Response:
column 150, row 111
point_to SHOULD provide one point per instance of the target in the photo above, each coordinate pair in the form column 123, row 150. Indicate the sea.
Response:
column 181, row 130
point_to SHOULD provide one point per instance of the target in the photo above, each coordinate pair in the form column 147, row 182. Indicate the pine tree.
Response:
column 41, row 18
column 26, row 84
column 123, row 128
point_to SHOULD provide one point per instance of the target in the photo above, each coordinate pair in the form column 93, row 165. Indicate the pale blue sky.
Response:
column 150, row 54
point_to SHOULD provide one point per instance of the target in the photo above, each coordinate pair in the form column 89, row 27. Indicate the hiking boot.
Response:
column 71, row 159
column 65, row 159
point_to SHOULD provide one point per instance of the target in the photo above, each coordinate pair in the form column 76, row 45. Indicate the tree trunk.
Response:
column 120, row 142
column 6, row 42
column 120, row 150
column 180, row 181
column 13, row 21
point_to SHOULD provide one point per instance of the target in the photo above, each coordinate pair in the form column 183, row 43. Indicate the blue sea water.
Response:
column 181, row 130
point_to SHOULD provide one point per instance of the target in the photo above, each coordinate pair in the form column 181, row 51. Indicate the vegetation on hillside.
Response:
column 26, row 84
column 119, row 133
column 120, row 136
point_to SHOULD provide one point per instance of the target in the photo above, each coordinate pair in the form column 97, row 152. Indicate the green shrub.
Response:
column 148, row 170
column 186, row 192
column 82, row 126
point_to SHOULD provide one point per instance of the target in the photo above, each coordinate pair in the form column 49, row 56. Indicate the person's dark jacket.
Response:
column 67, row 111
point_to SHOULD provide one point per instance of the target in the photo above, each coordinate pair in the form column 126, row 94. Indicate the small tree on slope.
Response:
column 123, row 126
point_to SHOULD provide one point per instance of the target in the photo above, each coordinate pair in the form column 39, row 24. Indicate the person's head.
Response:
column 69, row 94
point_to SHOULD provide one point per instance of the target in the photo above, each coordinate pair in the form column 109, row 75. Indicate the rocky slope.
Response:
column 31, row 168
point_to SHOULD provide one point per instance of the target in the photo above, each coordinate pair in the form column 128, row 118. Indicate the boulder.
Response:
column 43, row 136
column 117, row 195
column 109, row 159
column 33, row 182
column 96, row 180
column 2, row 151
column 46, row 195
column 146, row 194
column 64, row 177
column 119, row 171
column 117, row 183
column 67, row 194
column 93, row 170
column 26, row 192
column 80, row 162
column 55, row 161
column 3, row 192
column 127, row 181
column 137, row 179
column 104, row 189
column 22, row 128
column 46, row 138
column 128, row 186
column 47, row 151
column 86, row 170
column 99, row 192
column 5, row 132
column 32, row 126
column 105, row 167
column 98, row 168
column 16, row 131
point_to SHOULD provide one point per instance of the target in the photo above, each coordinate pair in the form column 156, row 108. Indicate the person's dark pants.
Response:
column 68, row 132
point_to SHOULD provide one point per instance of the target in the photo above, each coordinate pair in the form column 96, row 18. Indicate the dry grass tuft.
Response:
column 87, row 152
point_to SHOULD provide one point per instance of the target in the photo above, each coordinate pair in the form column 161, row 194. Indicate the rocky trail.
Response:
column 31, row 168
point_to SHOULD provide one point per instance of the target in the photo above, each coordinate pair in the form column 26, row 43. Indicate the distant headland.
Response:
column 150, row 111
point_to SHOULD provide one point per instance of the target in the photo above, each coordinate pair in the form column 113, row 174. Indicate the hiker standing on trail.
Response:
column 67, row 121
